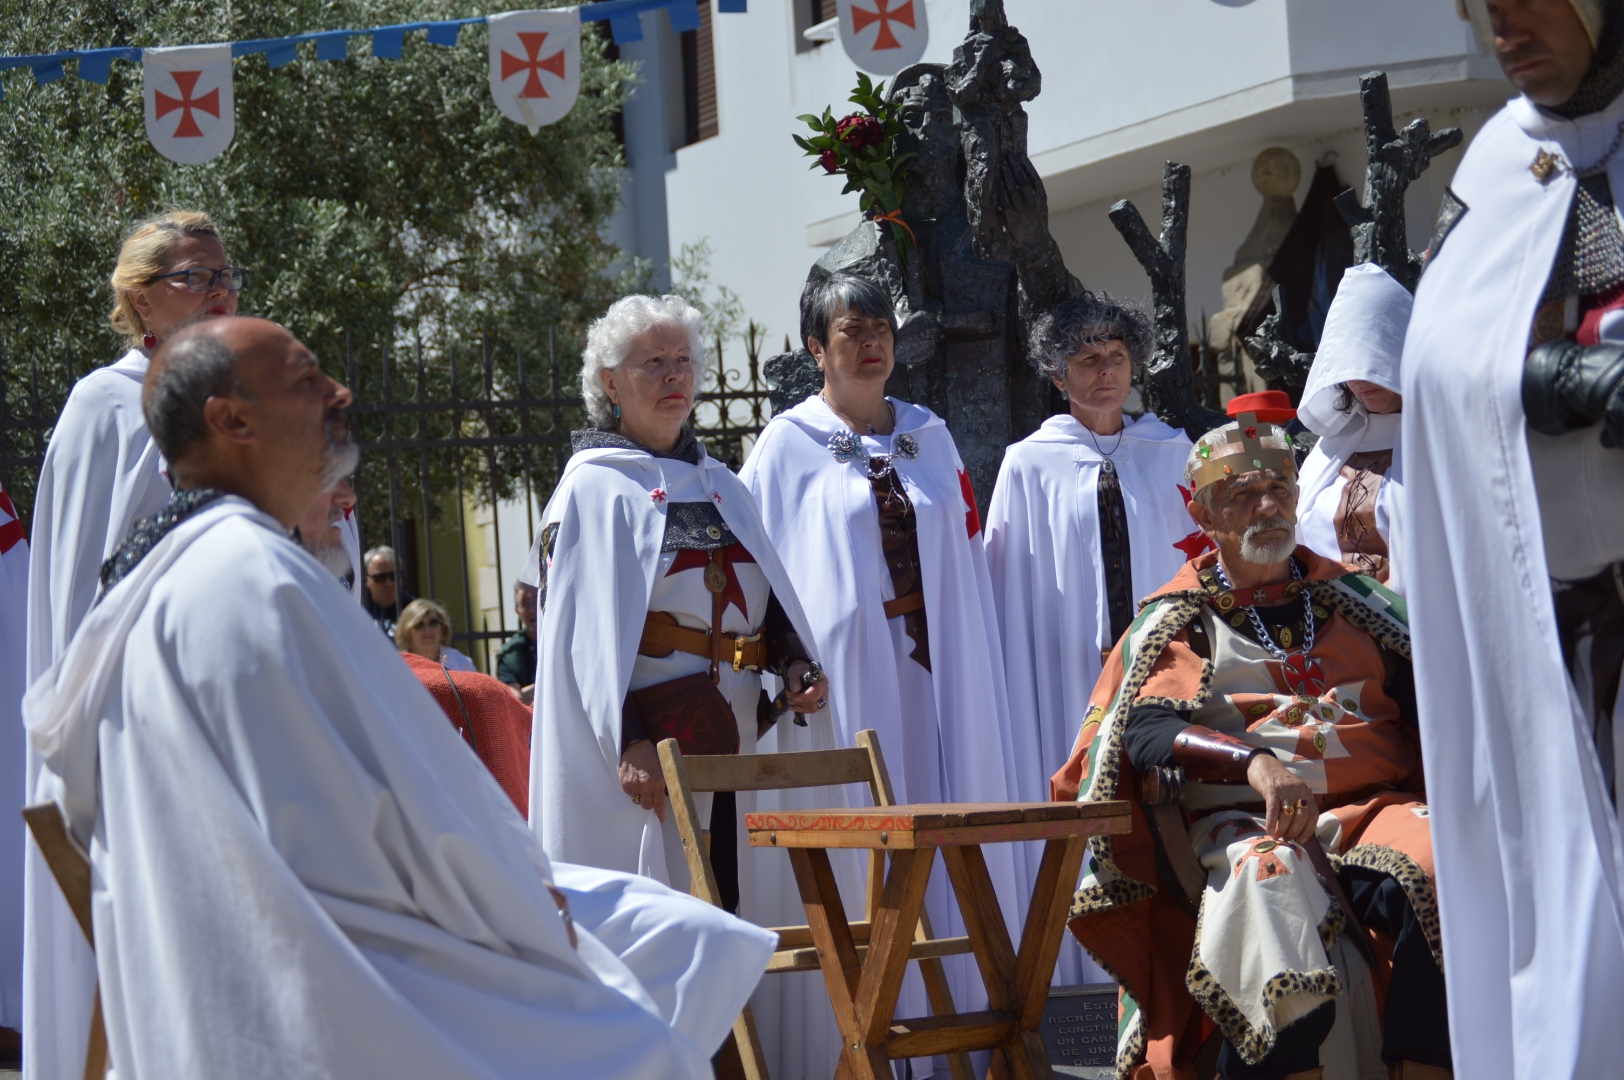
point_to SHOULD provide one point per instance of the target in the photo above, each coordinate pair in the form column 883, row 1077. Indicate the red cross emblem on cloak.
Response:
column 861, row 19
column 186, row 81
column 972, row 517
column 1304, row 675
column 11, row 533
column 532, row 63
column 691, row 559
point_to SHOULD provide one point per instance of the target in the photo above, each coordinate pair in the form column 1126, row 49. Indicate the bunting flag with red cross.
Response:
column 535, row 64
column 187, row 93
column 883, row 36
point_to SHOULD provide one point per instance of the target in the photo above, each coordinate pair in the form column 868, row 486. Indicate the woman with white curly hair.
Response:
column 661, row 604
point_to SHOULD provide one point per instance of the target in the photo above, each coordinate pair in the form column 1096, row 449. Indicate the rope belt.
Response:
column 905, row 605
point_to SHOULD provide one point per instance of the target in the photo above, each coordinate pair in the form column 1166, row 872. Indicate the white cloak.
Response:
column 384, row 910
column 1043, row 551
column 1526, row 842
column 1363, row 339
column 945, row 733
column 13, row 775
column 610, row 512
column 102, row 471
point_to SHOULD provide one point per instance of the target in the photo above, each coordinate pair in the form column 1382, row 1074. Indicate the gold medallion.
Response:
column 1294, row 715
column 1350, row 705
column 715, row 578
column 1266, row 846
column 1319, row 741
column 1545, row 166
column 1285, row 637
column 1259, row 710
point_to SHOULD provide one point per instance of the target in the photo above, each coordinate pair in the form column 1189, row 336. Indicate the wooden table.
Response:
column 864, row 989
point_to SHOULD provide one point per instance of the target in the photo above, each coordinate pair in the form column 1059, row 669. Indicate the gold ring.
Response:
column 1288, row 811
column 638, row 799
column 1302, row 804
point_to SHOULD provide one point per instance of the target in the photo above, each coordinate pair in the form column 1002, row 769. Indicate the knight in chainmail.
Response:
column 1513, row 548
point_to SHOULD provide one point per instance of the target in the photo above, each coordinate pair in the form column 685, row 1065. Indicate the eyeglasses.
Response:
column 390, row 576
column 202, row 279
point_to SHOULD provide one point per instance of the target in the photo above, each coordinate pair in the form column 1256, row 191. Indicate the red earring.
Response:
column 149, row 341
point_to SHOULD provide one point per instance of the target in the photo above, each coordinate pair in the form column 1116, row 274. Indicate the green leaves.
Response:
column 367, row 197
column 860, row 147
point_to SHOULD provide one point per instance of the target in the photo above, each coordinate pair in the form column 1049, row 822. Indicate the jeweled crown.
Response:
column 1242, row 451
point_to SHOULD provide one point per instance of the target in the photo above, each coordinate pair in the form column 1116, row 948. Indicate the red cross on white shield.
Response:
column 186, row 92
column 535, row 65
column 883, row 36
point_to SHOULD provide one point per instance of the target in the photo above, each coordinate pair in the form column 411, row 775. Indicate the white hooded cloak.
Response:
column 1048, row 581
column 946, row 732
column 13, row 758
column 1363, row 339
column 102, row 471
column 1530, row 871
column 339, row 888
column 607, row 522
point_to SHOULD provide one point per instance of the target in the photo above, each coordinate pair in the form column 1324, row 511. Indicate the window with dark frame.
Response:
column 809, row 13
column 699, row 80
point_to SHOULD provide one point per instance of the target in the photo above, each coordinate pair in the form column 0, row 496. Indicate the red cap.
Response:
column 1272, row 406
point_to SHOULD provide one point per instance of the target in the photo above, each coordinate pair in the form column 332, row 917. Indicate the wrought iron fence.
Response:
column 445, row 432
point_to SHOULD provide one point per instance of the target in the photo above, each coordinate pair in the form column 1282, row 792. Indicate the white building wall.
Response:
column 1127, row 83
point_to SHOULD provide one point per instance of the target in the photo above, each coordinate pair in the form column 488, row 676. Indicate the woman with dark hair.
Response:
column 871, row 510
column 1348, row 508
column 1087, row 517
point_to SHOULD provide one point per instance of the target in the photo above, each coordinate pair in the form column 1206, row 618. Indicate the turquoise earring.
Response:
column 614, row 410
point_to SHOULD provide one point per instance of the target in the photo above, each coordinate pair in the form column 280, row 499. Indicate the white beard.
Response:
column 333, row 556
column 1264, row 553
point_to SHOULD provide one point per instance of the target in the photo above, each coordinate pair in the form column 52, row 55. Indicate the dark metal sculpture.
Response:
column 991, row 78
column 984, row 264
column 1396, row 159
column 1169, row 379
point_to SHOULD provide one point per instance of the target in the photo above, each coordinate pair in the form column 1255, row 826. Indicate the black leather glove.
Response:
column 1567, row 387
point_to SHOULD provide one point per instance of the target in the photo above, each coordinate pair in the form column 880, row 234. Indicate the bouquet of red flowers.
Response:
column 862, row 147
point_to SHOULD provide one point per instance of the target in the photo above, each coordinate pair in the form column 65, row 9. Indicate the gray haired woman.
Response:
column 661, row 604
column 1086, row 518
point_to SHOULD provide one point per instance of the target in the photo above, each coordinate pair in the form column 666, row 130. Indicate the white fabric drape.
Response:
column 1363, row 339
column 13, row 757
column 946, row 732
column 383, row 909
column 1527, row 845
column 102, row 472
column 1043, row 553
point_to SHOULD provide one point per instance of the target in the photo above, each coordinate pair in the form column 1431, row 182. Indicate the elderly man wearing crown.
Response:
column 1274, row 898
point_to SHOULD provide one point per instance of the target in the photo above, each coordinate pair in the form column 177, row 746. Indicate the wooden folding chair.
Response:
column 863, row 764
column 71, row 867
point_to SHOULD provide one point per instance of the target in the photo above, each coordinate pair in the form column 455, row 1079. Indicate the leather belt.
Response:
column 662, row 637
column 905, row 605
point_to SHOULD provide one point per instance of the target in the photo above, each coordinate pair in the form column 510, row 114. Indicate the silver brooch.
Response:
column 847, row 447
column 906, row 446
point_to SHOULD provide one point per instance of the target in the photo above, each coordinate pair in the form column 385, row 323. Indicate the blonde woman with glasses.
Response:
column 102, row 473
column 425, row 630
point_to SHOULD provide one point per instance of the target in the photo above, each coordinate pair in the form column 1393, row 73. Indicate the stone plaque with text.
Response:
column 1080, row 1030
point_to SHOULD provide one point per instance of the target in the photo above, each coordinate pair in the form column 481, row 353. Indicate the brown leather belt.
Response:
column 662, row 636
column 905, row 605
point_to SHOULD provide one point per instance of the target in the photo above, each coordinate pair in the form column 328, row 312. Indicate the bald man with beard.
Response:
column 299, row 869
